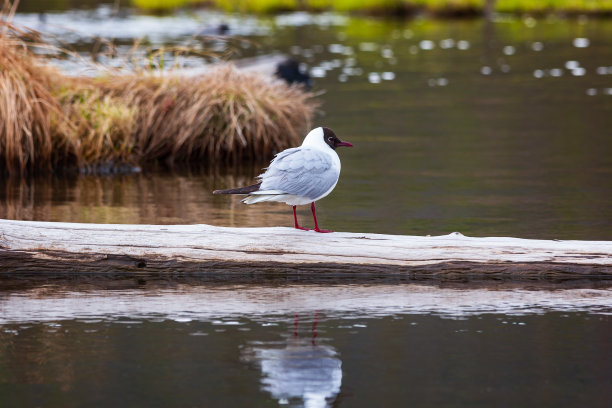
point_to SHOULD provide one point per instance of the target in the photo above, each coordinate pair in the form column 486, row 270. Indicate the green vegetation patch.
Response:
column 388, row 6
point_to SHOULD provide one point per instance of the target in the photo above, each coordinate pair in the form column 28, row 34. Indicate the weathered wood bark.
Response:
column 27, row 246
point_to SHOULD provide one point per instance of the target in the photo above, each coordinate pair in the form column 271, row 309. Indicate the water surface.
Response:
column 315, row 345
column 497, row 128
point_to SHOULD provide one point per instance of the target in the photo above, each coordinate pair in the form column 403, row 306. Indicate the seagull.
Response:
column 299, row 175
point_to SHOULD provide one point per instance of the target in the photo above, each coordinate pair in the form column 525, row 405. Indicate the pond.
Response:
column 499, row 128
column 488, row 128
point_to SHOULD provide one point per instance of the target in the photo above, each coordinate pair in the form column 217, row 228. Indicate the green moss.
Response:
column 389, row 6
column 554, row 5
column 364, row 5
column 101, row 125
column 163, row 4
column 258, row 6
column 436, row 6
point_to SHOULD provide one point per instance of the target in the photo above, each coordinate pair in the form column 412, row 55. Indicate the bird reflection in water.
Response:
column 298, row 372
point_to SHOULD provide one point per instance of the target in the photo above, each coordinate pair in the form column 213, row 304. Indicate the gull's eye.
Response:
column 329, row 138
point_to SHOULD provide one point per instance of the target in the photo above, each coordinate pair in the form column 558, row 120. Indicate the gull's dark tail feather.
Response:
column 239, row 190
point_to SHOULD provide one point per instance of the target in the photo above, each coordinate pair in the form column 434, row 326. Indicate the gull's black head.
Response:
column 332, row 140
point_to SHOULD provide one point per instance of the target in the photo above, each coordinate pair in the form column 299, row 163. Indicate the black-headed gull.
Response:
column 300, row 175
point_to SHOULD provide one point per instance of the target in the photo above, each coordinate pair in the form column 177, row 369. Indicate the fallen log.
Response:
column 30, row 246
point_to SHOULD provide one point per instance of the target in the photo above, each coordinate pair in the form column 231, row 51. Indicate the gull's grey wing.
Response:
column 301, row 171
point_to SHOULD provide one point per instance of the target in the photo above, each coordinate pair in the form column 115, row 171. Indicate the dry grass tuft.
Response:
column 29, row 112
column 225, row 115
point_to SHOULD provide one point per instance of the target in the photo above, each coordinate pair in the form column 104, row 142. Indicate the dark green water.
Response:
column 496, row 128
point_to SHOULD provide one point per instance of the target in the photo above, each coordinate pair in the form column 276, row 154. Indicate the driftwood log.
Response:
column 51, row 247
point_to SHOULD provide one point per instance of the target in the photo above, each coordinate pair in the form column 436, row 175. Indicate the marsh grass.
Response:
column 224, row 115
column 99, row 124
column 49, row 120
column 30, row 115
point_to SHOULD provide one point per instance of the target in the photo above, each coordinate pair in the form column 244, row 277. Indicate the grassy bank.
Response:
column 395, row 7
column 50, row 120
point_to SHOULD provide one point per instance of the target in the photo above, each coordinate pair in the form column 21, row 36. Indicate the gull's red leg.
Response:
column 314, row 215
column 314, row 328
column 297, row 226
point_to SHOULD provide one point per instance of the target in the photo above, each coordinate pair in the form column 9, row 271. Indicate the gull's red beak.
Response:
column 345, row 144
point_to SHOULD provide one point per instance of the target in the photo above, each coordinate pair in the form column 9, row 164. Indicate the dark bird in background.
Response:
column 290, row 71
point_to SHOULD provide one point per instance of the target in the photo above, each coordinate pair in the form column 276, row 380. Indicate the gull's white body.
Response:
column 300, row 175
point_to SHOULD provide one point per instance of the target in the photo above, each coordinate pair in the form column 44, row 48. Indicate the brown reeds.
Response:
column 224, row 115
column 28, row 110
